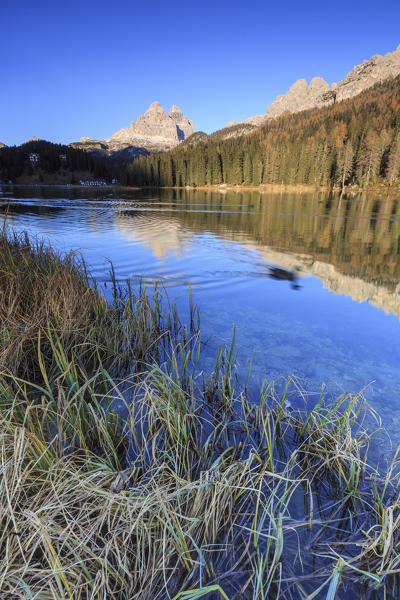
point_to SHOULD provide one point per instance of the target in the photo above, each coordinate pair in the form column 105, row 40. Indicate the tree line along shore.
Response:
column 353, row 143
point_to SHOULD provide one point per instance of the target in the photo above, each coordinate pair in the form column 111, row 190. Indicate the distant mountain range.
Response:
column 157, row 131
column 353, row 142
column 319, row 93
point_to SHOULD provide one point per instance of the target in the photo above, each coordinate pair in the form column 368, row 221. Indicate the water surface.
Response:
column 310, row 281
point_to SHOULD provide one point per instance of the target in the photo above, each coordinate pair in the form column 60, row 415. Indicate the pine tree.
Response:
column 345, row 157
column 369, row 157
column 393, row 169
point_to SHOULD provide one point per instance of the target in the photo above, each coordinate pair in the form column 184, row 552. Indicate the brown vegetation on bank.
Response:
column 166, row 483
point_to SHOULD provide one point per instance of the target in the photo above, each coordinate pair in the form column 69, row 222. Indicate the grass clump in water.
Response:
column 125, row 481
column 49, row 302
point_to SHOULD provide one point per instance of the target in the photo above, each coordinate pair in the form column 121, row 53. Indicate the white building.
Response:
column 93, row 182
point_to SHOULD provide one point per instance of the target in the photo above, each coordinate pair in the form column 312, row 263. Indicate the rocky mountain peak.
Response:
column 155, row 108
column 184, row 126
column 317, row 83
column 368, row 73
column 302, row 96
column 175, row 110
column 154, row 113
column 155, row 122
column 299, row 85
column 154, row 130
column 299, row 97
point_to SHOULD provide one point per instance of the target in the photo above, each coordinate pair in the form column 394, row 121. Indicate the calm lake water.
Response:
column 310, row 281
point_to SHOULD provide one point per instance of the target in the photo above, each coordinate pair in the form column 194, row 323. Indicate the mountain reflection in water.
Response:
column 311, row 281
column 352, row 244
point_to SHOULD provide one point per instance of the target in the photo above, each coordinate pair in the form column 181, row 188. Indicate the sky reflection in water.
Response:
column 311, row 282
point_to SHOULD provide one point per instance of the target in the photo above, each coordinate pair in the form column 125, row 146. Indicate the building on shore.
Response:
column 93, row 182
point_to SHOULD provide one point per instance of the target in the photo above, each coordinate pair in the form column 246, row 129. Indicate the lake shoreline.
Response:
column 119, row 459
column 271, row 188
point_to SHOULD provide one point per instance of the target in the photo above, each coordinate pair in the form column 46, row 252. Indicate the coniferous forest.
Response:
column 354, row 142
column 54, row 159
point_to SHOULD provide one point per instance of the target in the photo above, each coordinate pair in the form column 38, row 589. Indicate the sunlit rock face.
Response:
column 302, row 96
column 258, row 120
column 184, row 126
column 155, row 122
column 372, row 71
column 155, row 130
column 317, row 94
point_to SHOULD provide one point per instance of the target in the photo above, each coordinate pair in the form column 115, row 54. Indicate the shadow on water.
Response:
column 29, row 209
column 284, row 275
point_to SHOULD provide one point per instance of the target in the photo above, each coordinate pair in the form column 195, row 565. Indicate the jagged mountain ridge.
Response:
column 303, row 96
column 155, row 131
column 355, row 142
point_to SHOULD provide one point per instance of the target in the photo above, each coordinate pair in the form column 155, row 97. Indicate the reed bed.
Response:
column 47, row 300
column 126, row 473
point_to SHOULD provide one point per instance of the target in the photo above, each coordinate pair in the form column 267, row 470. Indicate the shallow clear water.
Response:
column 311, row 282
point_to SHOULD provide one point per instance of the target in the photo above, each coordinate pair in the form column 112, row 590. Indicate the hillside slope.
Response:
column 40, row 161
column 356, row 141
column 303, row 96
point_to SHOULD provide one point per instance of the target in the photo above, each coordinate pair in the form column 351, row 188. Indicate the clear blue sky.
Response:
column 70, row 68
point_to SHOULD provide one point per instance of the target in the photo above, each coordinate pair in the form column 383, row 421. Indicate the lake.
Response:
column 309, row 281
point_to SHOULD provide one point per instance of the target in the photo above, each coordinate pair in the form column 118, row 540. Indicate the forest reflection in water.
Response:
column 351, row 243
column 268, row 263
